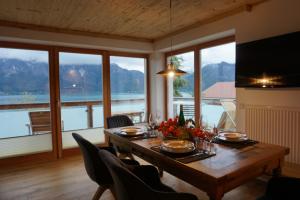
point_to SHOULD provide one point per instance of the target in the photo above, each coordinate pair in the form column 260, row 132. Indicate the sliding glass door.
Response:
column 25, row 116
column 49, row 92
column 81, row 97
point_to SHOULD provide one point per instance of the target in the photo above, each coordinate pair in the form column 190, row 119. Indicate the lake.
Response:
column 16, row 122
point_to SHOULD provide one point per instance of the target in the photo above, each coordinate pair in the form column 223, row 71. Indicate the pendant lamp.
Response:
column 171, row 68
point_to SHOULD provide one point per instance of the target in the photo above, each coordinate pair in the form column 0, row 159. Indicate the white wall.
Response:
column 157, row 84
column 49, row 38
column 274, row 17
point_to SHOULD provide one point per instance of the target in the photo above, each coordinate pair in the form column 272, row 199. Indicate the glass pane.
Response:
column 218, row 91
column 181, row 88
column 24, row 102
column 128, row 87
column 81, row 96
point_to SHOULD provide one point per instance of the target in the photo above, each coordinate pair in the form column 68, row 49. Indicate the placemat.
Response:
column 198, row 154
column 237, row 145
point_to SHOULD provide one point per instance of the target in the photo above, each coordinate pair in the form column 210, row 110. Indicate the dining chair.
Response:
column 139, row 182
column 120, row 121
column 95, row 168
column 279, row 188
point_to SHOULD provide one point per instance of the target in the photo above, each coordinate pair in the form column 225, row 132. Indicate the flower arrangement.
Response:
column 171, row 129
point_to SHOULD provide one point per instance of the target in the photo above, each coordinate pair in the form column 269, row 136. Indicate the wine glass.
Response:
column 151, row 122
column 210, row 135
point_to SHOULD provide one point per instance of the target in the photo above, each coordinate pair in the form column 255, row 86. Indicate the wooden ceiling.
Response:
column 144, row 20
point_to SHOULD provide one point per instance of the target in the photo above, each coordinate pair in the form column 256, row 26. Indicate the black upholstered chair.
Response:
column 120, row 121
column 280, row 188
column 94, row 166
column 141, row 182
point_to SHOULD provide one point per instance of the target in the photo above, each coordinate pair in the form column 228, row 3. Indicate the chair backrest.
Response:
column 94, row 166
column 40, row 122
column 118, row 121
column 128, row 186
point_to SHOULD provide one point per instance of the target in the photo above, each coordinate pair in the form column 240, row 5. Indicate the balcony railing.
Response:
column 222, row 109
column 136, row 116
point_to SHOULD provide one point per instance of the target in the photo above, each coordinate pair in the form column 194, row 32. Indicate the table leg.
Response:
column 217, row 194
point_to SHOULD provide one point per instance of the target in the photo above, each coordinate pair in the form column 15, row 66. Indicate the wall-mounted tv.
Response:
column 269, row 63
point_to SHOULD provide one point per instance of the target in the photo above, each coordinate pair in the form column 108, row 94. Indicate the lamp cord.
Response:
column 171, row 36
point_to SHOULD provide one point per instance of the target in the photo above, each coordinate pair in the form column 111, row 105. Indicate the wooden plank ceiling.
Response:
column 125, row 19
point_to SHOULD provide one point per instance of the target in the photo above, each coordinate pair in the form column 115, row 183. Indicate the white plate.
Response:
column 232, row 136
column 178, row 146
column 131, row 131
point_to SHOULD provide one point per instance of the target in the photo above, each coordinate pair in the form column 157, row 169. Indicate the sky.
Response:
column 210, row 55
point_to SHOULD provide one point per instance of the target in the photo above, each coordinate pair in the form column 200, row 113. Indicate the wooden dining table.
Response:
column 216, row 175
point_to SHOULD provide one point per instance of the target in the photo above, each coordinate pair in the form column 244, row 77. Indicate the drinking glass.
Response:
column 151, row 122
column 210, row 136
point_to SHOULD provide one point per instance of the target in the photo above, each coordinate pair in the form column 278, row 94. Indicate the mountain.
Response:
column 18, row 76
column 211, row 74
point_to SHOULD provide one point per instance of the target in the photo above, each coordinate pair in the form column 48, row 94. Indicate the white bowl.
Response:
column 178, row 146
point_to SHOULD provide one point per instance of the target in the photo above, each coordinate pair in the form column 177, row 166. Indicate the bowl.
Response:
column 178, row 146
column 232, row 135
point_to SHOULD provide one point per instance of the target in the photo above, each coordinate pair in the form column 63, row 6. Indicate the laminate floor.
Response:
column 66, row 179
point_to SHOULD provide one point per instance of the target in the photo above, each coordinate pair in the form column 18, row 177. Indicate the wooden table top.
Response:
column 230, row 167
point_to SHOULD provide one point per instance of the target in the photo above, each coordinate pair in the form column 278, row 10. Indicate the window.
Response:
column 181, row 88
column 128, row 87
column 218, row 91
column 24, row 102
column 207, row 92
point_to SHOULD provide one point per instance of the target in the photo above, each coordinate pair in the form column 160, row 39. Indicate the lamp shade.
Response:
column 171, row 71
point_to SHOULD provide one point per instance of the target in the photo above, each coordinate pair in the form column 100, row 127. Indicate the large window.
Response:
column 217, row 86
column 81, row 96
column 128, row 87
column 181, row 88
column 24, row 102
column 207, row 92
column 64, row 89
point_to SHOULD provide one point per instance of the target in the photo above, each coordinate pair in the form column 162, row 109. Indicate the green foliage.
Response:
column 178, row 82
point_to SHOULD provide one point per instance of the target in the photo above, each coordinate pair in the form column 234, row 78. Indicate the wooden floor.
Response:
column 66, row 179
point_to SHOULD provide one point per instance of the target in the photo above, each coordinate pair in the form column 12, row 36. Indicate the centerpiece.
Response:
column 172, row 129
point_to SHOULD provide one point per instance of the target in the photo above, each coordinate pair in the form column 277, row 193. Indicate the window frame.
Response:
column 197, row 71
column 55, row 103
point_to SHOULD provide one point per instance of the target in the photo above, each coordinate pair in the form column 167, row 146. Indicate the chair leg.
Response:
column 161, row 172
column 99, row 192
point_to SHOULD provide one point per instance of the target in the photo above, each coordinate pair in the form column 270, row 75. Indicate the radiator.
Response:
column 275, row 125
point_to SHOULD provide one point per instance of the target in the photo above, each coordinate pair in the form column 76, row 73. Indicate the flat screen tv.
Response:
column 269, row 63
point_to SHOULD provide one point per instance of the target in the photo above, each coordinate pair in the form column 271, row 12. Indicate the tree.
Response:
column 178, row 82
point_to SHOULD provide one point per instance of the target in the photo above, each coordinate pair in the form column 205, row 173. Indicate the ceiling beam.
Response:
column 70, row 31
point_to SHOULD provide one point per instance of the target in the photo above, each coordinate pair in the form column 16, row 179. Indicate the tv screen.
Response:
column 268, row 63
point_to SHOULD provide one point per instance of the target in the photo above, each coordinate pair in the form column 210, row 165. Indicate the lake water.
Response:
column 15, row 122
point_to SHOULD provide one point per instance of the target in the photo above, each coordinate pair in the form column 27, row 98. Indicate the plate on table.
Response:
column 132, row 131
column 232, row 136
column 177, row 146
